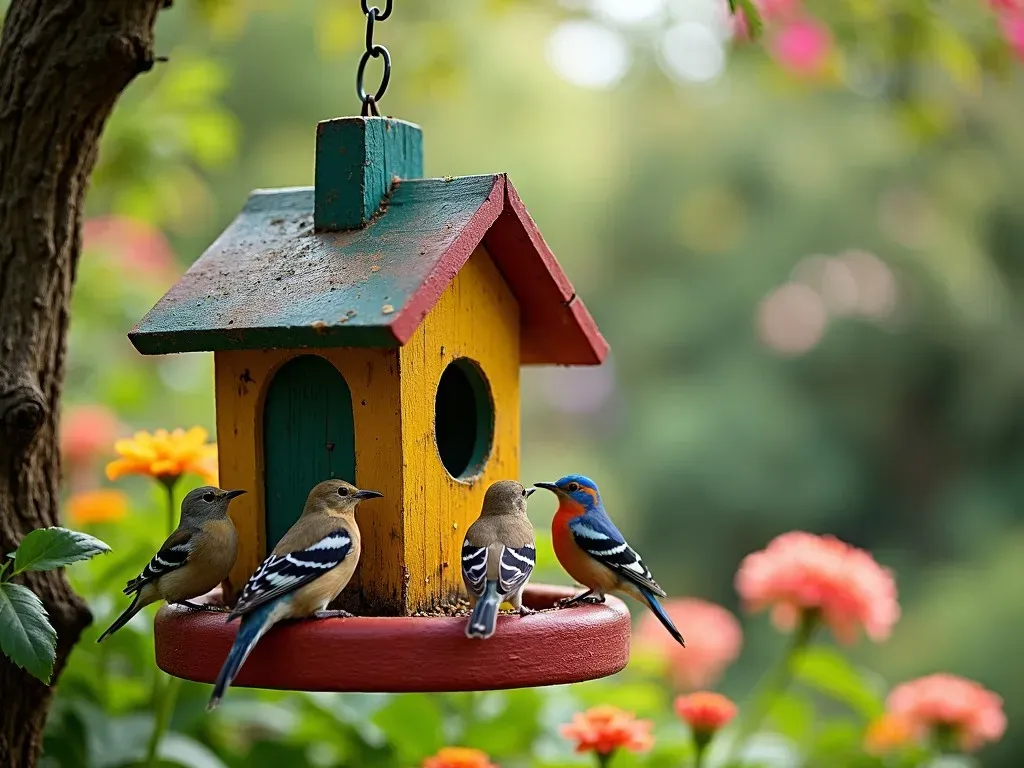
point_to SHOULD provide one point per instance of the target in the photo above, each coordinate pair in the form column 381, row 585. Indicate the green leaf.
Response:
column 414, row 725
column 828, row 671
column 26, row 636
column 47, row 548
column 792, row 716
column 754, row 24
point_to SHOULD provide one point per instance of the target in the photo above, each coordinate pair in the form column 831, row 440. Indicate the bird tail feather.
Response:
column 141, row 600
column 485, row 613
column 252, row 628
column 657, row 610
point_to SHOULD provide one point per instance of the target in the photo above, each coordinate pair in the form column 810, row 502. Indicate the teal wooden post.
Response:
column 357, row 159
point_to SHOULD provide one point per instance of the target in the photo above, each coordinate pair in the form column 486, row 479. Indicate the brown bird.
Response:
column 498, row 556
column 192, row 561
column 307, row 569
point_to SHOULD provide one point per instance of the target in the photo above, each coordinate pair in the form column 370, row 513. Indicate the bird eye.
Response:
column 343, row 491
column 208, row 496
column 572, row 487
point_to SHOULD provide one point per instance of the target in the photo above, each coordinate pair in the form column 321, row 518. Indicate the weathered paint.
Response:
column 552, row 647
column 372, row 377
column 357, row 161
column 412, row 537
column 476, row 318
column 308, row 437
column 271, row 280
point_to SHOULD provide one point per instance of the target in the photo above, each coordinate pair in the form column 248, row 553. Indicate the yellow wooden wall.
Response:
column 412, row 537
column 477, row 317
column 371, row 375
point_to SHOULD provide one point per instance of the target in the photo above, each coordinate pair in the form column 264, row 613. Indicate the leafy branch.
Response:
column 26, row 636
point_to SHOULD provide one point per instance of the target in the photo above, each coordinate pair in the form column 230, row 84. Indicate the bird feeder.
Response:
column 372, row 328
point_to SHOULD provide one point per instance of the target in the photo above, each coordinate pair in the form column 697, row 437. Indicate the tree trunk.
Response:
column 63, row 63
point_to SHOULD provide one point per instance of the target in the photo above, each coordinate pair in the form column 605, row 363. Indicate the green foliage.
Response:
column 901, row 432
column 47, row 548
column 830, row 672
column 26, row 636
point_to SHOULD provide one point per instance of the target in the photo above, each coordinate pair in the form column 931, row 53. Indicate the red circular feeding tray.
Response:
column 406, row 654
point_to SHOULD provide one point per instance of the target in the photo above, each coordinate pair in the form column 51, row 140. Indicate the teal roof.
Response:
column 271, row 280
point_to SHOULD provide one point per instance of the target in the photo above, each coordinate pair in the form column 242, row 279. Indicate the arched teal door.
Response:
column 308, row 437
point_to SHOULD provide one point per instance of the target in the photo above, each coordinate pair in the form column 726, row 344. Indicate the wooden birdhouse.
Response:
column 372, row 327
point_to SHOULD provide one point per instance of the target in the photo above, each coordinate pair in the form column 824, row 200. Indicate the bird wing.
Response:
column 597, row 535
column 474, row 567
column 283, row 573
column 515, row 568
column 171, row 556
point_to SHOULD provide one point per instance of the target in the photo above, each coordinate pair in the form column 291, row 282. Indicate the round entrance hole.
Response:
column 463, row 419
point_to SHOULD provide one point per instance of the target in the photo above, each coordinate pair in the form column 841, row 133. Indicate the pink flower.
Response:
column 971, row 712
column 1013, row 30
column 139, row 247
column 713, row 641
column 803, row 47
column 775, row 10
column 1006, row 5
column 705, row 712
column 604, row 729
column 86, row 431
column 770, row 10
column 799, row 572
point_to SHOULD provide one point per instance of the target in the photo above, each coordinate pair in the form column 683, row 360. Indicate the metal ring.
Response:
column 370, row 18
column 380, row 16
column 377, row 50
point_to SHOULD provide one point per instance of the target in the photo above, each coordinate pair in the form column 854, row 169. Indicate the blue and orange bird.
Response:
column 192, row 561
column 595, row 553
column 308, row 568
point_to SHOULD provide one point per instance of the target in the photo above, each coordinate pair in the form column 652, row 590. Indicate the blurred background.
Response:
column 804, row 252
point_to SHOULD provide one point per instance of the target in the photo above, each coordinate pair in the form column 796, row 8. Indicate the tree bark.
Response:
column 63, row 64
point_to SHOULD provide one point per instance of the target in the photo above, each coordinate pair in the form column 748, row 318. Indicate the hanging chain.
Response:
column 373, row 51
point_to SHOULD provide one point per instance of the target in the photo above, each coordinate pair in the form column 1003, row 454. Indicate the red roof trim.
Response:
column 556, row 326
column 453, row 259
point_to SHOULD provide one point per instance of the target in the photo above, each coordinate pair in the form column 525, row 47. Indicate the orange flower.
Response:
column 889, row 733
column 705, row 712
column 972, row 713
column 459, row 757
column 102, row 506
column 713, row 641
column 800, row 572
column 606, row 728
column 86, row 431
column 164, row 455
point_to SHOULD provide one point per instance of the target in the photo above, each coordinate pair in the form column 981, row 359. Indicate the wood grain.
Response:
column 550, row 648
column 476, row 318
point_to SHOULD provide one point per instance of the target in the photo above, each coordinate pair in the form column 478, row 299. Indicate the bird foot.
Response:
column 196, row 607
column 524, row 611
column 335, row 614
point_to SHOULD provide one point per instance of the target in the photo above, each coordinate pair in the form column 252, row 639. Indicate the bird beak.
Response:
column 549, row 486
column 229, row 495
column 530, row 492
column 367, row 495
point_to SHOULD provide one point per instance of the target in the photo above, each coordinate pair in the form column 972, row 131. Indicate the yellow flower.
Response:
column 101, row 506
column 165, row 455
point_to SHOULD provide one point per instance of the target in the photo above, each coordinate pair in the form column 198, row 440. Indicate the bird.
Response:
column 595, row 553
column 498, row 556
column 307, row 569
column 192, row 561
